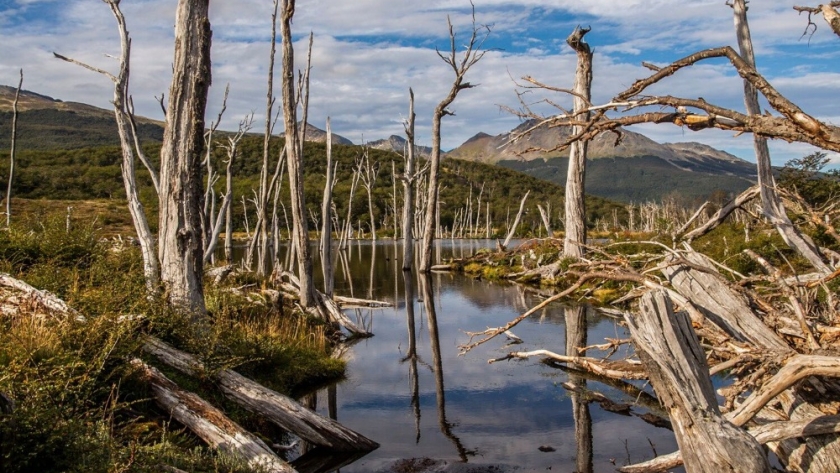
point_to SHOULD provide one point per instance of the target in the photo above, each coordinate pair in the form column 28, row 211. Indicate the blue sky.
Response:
column 368, row 52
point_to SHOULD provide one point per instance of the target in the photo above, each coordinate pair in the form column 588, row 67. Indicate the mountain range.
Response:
column 637, row 169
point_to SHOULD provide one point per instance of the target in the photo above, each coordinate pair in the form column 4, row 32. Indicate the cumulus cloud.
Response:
column 368, row 52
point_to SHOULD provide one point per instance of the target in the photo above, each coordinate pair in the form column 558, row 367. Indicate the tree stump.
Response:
column 672, row 355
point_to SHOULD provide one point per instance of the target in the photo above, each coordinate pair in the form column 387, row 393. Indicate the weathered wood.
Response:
column 721, row 305
column 294, row 163
column 676, row 363
column 209, row 423
column 180, row 239
column 796, row 368
column 344, row 301
column 605, row 368
column 460, row 67
column 721, row 214
column 512, row 231
column 769, row 433
column 12, row 152
column 409, row 179
column 279, row 409
column 35, row 300
column 575, row 204
column 327, row 263
column 771, row 203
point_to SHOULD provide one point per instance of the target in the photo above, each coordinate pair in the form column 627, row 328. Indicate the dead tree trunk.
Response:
column 180, row 244
column 771, row 204
column 408, row 188
column 369, row 173
column 676, row 363
column 512, row 231
column 726, row 309
column 327, row 266
column 125, row 128
column 261, row 200
column 279, row 409
column 211, row 424
column 12, row 153
column 471, row 56
column 575, row 224
column 300, row 227
column 546, row 218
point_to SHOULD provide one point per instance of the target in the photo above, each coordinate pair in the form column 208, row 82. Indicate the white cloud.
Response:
column 368, row 52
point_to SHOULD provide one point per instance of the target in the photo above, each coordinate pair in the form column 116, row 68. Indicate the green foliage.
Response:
column 79, row 405
column 805, row 177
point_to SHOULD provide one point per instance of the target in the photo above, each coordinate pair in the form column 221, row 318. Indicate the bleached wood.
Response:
column 294, row 159
column 512, row 231
column 721, row 305
column 12, row 152
column 209, row 423
column 327, row 264
column 279, row 409
column 575, row 203
column 676, row 363
column 180, row 238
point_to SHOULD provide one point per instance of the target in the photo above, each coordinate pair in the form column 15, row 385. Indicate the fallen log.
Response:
column 344, row 301
column 606, row 368
column 676, row 364
column 209, row 423
column 725, row 308
column 764, row 434
column 36, row 301
column 279, row 409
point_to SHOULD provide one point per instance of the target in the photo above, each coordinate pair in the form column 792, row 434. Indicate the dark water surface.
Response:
column 408, row 389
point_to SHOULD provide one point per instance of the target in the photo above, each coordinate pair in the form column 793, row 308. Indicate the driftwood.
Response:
column 325, row 307
column 724, row 308
column 677, row 366
column 279, row 409
column 209, row 423
column 606, row 368
column 344, row 301
column 36, row 301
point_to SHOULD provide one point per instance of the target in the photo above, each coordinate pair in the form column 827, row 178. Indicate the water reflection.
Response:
column 575, row 318
column 437, row 364
column 486, row 414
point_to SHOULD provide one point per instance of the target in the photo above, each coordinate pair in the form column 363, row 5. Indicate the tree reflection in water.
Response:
column 576, row 338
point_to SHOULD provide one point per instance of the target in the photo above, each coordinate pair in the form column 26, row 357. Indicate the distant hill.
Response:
column 47, row 123
column 399, row 144
column 317, row 135
column 637, row 169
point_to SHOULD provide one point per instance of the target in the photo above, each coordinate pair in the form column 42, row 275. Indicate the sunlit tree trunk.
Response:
column 12, row 152
column 575, row 224
column 300, row 227
column 180, row 242
column 771, row 204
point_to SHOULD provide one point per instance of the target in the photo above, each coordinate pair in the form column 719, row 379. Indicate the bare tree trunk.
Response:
column 180, row 245
column 300, row 226
column 575, row 224
column 12, row 153
column 546, row 218
column 771, row 204
column 470, row 57
column 512, row 231
column 675, row 361
column 326, row 221
column 369, row 172
column 225, row 212
column 123, row 117
column 262, row 198
column 409, row 179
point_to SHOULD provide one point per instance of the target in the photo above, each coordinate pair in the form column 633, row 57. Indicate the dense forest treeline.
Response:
column 94, row 173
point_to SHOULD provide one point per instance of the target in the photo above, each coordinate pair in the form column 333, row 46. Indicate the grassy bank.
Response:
column 78, row 404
